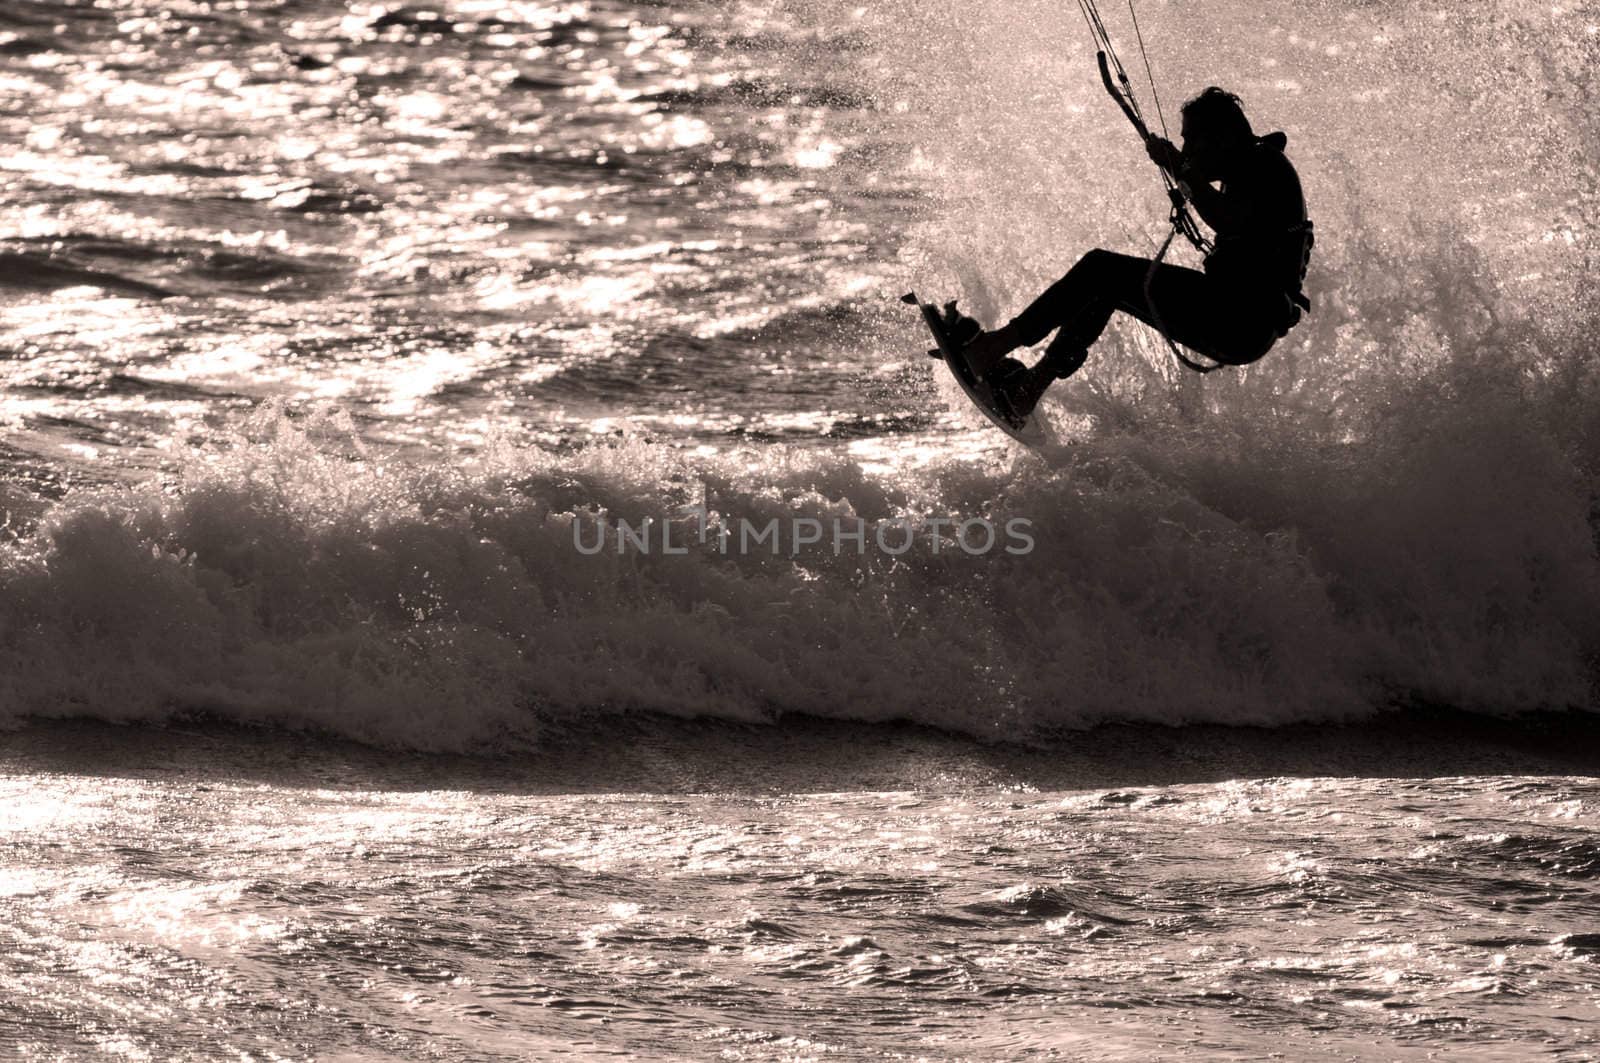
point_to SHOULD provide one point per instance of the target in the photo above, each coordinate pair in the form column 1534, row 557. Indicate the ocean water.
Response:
column 333, row 333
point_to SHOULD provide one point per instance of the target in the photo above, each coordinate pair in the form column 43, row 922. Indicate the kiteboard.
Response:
column 1025, row 430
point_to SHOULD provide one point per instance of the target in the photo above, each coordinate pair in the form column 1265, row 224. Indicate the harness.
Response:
column 1298, row 238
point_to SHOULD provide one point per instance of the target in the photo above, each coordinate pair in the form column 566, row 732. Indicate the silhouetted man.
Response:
column 1248, row 297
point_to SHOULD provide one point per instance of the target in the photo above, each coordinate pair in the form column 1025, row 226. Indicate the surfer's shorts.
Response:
column 1195, row 309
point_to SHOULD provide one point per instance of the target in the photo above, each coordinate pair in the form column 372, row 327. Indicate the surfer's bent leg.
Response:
column 1079, row 304
column 1193, row 310
column 1102, row 282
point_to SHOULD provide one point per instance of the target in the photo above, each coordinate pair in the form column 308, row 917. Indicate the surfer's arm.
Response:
column 1221, row 211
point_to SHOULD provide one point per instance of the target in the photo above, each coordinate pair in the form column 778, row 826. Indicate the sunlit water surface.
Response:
column 188, row 915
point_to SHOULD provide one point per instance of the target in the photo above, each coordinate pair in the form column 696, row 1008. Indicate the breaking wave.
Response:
column 1182, row 569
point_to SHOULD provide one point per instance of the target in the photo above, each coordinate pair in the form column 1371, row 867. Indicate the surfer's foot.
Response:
column 959, row 327
column 985, row 352
column 1016, row 388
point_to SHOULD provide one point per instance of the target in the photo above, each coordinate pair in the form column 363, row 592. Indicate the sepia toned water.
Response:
column 325, row 326
column 707, row 894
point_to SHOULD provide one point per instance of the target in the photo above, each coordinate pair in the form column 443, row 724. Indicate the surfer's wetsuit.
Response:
column 1248, row 297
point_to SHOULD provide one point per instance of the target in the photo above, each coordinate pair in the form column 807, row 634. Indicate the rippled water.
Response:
column 326, row 906
column 503, row 218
